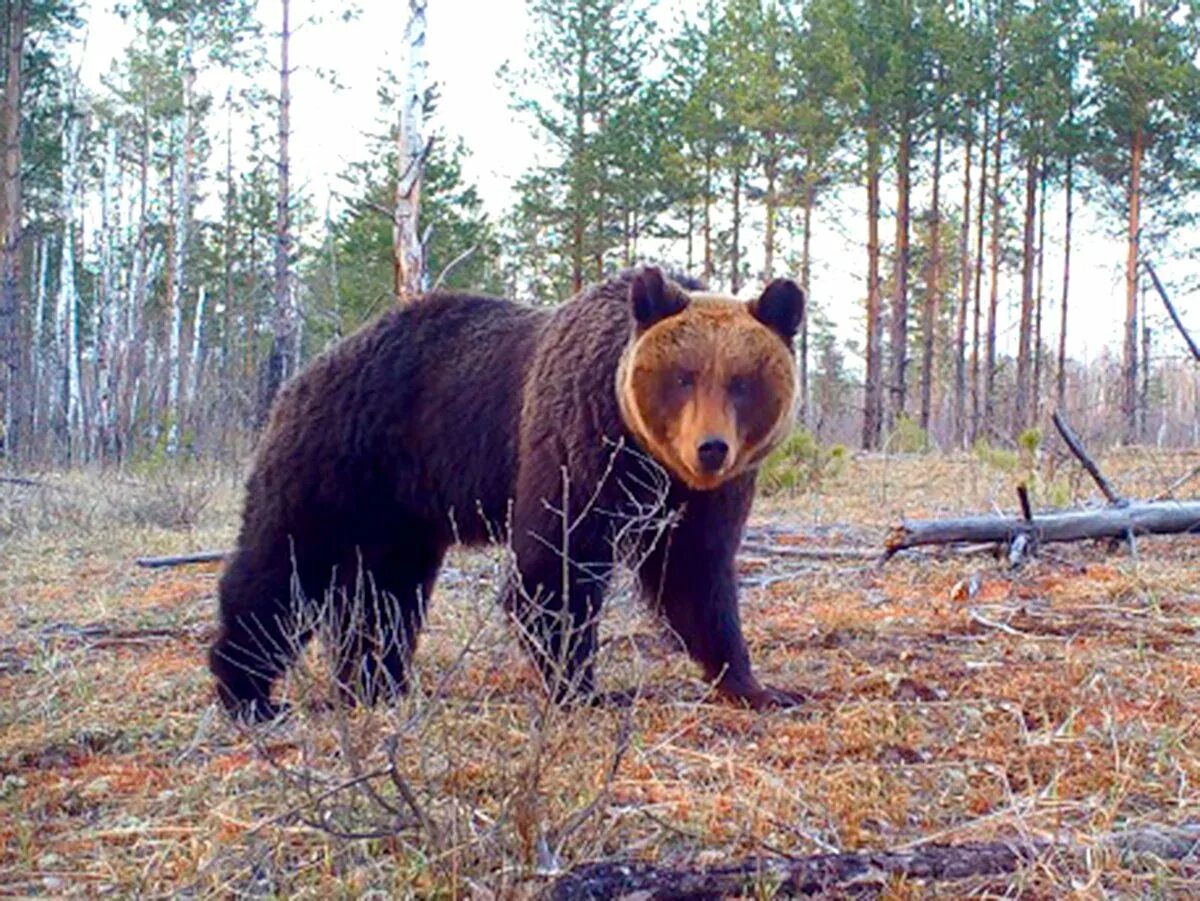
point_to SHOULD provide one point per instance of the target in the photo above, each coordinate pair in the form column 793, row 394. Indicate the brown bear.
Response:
column 470, row 419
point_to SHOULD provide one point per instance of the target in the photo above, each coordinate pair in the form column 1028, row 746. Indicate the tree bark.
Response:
column 176, row 284
column 933, row 288
column 735, row 249
column 14, row 401
column 977, row 317
column 805, row 278
column 873, row 389
column 1025, row 329
column 1060, row 388
column 1039, row 297
column 67, row 311
column 1129, row 367
column 964, row 299
column 578, row 214
column 771, row 167
column 899, row 322
column 408, row 256
column 989, row 367
column 707, row 229
column 283, row 319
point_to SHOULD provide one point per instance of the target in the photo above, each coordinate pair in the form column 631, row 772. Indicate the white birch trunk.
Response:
column 106, row 308
column 183, row 197
column 409, row 277
column 39, row 327
column 197, row 350
column 66, row 318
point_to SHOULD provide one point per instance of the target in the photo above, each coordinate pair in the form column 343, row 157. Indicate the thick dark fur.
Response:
column 450, row 419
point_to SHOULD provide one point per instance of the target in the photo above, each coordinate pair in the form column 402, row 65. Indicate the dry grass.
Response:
column 1063, row 701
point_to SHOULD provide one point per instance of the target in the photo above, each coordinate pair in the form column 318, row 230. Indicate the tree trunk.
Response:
column 873, row 389
column 1130, row 363
column 691, row 238
column 197, row 357
column 283, row 324
column 1025, row 331
column 735, row 250
column 228, row 245
column 708, row 196
column 977, row 313
column 578, row 214
column 1144, row 389
column 1039, row 297
column 106, row 309
column 67, row 311
column 771, row 167
column 989, row 367
column 1060, row 388
column 964, row 291
column 933, row 287
column 407, row 253
column 15, row 402
column 805, row 278
column 899, row 323
column 176, row 283
column 37, row 357
column 172, row 306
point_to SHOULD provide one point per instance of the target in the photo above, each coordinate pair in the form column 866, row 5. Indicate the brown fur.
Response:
column 458, row 416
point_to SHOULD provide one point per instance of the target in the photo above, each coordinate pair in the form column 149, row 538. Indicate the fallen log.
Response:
column 822, row 873
column 24, row 482
column 1136, row 518
column 181, row 559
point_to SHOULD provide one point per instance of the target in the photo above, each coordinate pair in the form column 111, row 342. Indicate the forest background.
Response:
column 930, row 172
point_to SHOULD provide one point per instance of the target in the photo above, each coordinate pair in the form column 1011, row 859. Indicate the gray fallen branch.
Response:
column 181, row 559
column 24, row 482
column 1162, row 292
column 824, row 872
column 809, row 553
column 1076, row 447
column 1137, row 518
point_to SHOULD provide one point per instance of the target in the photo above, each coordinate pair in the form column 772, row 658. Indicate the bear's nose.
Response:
column 712, row 453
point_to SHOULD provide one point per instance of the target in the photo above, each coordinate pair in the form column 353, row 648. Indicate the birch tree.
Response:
column 409, row 277
column 66, row 317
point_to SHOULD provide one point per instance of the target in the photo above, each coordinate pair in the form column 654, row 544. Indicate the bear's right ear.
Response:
column 653, row 299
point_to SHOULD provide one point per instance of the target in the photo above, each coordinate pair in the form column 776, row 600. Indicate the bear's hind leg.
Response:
column 382, row 616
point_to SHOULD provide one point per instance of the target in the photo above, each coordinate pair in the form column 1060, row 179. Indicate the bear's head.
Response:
column 707, row 382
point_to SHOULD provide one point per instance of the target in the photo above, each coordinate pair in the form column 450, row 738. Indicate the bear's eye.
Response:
column 685, row 378
column 739, row 387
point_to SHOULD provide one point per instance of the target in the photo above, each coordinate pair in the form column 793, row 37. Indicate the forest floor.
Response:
column 950, row 700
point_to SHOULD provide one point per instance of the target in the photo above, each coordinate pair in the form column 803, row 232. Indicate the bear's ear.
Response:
column 653, row 299
column 780, row 308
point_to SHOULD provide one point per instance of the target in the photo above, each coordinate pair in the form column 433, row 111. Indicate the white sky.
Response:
column 468, row 41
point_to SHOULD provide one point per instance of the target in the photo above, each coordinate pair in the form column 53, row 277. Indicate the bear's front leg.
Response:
column 555, row 604
column 691, row 579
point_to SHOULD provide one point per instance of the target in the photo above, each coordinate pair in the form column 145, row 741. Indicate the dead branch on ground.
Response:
column 1162, row 292
column 181, row 559
column 1121, row 519
column 821, row 873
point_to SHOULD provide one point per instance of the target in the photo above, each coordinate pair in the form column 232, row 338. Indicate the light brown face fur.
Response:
column 709, row 374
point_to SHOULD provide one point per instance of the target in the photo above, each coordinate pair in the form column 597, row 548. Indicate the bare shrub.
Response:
column 425, row 774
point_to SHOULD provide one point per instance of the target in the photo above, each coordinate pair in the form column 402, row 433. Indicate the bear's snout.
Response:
column 712, row 452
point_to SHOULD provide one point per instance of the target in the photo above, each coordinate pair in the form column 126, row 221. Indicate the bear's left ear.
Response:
column 653, row 298
column 780, row 308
